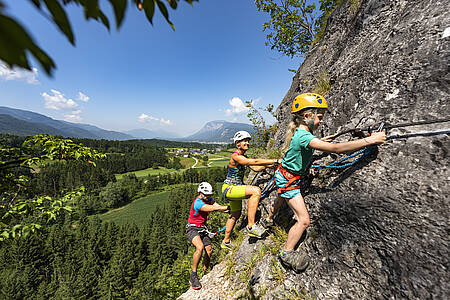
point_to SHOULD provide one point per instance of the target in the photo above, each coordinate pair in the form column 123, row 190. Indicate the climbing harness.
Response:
column 204, row 229
column 291, row 177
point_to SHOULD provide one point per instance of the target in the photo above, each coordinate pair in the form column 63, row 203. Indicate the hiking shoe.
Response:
column 227, row 246
column 194, row 281
column 256, row 231
column 266, row 223
column 294, row 260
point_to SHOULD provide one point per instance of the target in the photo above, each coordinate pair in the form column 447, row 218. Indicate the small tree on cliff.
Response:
column 295, row 24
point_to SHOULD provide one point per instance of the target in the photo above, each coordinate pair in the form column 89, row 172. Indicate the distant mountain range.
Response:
column 218, row 131
column 150, row 134
column 22, row 122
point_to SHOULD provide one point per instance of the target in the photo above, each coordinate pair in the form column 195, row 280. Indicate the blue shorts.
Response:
column 280, row 181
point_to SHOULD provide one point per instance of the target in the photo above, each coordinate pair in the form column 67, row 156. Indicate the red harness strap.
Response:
column 291, row 179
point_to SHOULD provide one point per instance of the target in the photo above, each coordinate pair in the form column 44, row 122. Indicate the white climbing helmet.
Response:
column 241, row 135
column 205, row 188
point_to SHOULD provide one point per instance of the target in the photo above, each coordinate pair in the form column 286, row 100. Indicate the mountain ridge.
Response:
column 219, row 131
column 24, row 122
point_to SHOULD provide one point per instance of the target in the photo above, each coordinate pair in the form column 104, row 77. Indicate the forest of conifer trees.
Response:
column 79, row 256
column 88, row 258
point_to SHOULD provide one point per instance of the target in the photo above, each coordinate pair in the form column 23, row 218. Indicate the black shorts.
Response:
column 193, row 231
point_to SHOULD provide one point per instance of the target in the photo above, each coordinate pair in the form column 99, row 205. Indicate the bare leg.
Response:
column 298, row 206
column 230, row 225
column 254, row 193
column 197, row 241
column 275, row 207
column 207, row 257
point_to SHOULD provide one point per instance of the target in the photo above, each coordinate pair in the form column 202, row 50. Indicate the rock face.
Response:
column 379, row 229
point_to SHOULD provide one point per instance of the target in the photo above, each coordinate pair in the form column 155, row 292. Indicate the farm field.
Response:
column 226, row 153
column 220, row 159
column 137, row 211
column 187, row 162
column 218, row 162
column 149, row 171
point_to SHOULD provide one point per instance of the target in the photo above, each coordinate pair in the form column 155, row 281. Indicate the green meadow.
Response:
column 218, row 162
column 186, row 162
column 140, row 210
column 149, row 171
column 137, row 211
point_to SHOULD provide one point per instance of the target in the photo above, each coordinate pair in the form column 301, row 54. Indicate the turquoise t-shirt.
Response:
column 299, row 154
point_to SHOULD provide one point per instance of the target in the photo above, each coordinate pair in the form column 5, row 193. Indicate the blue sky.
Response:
column 150, row 76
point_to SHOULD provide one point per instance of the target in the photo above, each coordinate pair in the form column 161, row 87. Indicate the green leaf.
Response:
column 91, row 9
column 119, row 6
column 60, row 17
column 104, row 19
column 19, row 41
column 173, row 3
column 36, row 3
column 165, row 13
column 149, row 9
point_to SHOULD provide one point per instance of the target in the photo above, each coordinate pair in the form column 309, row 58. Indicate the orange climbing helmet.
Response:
column 308, row 100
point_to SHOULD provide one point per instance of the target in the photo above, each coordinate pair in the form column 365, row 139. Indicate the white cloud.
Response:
column 143, row 118
column 72, row 118
column 166, row 122
column 237, row 107
column 83, row 97
column 18, row 74
column 57, row 101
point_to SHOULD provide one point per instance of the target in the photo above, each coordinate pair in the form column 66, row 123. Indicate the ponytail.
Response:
column 290, row 132
column 299, row 118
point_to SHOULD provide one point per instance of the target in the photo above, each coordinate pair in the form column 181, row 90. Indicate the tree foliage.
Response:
column 16, row 43
column 22, row 212
column 295, row 24
column 86, row 258
column 263, row 131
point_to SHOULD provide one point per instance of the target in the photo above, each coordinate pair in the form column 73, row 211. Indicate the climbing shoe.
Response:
column 294, row 260
column 227, row 246
column 256, row 231
column 266, row 223
column 194, row 281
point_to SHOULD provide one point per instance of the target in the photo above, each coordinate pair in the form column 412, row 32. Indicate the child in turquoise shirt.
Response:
column 300, row 143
